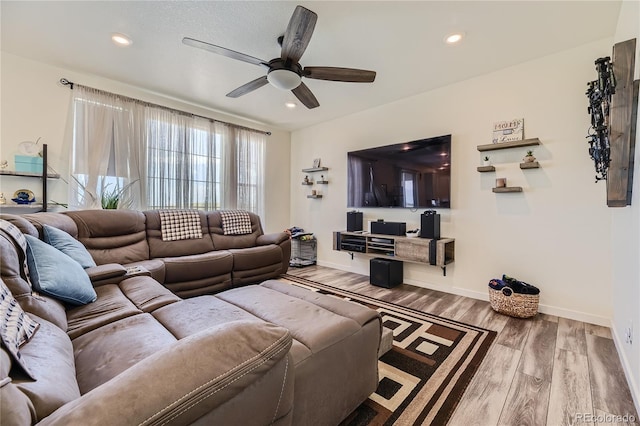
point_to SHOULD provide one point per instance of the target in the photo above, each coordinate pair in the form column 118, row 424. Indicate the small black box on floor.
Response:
column 354, row 221
column 385, row 272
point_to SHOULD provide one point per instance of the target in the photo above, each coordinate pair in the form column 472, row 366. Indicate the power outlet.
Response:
column 628, row 333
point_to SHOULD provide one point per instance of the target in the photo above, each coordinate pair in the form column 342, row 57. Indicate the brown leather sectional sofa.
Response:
column 140, row 354
column 190, row 267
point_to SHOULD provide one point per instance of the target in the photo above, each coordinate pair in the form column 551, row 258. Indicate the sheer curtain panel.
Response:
column 161, row 158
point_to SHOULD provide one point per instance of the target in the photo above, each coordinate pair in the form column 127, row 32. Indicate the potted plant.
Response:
column 529, row 158
column 486, row 161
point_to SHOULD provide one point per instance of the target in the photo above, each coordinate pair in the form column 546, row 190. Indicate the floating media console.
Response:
column 417, row 250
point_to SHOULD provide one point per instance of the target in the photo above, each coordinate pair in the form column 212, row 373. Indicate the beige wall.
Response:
column 556, row 234
column 33, row 104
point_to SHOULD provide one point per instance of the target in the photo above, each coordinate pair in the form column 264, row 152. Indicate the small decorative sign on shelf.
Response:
column 508, row 131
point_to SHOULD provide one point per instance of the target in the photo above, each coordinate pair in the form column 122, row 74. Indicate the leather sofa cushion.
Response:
column 146, row 294
column 112, row 236
column 186, row 382
column 57, row 220
column 50, row 357
column 197, row 266
column 225, row 242
column 313, row 326
column 15, row 407
column 110, row 306
column 115, row 347
column 159, row 248
column 256, row 257
column 190, row 316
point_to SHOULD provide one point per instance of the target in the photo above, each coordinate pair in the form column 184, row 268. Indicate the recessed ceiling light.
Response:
column 121, row 39
column 454, row 38
column 290, row 104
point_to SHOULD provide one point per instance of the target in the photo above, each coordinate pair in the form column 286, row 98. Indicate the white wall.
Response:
column 33, row 104
column 625, row 236
column 556, row 234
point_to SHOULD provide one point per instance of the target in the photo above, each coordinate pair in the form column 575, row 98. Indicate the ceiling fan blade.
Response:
column 350, row 75
column 298, row 33
column 303, row 93
column 249, row 87
column 224, row 51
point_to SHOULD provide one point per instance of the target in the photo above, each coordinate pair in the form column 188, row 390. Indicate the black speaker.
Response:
column 430, row 225
column 385, row 272
column 389, row 228
column 354, row 221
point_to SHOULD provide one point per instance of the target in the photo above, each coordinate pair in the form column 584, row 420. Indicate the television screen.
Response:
column 413, row 174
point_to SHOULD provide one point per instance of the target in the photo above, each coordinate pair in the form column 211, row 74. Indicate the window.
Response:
column 164, row 158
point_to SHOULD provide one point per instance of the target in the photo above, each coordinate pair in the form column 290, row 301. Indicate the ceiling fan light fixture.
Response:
column 290, row 104
column 284, row 79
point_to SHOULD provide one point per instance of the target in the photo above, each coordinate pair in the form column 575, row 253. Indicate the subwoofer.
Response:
column 385, row 272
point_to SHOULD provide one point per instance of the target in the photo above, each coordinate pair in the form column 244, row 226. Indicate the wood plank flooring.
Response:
column 540, row 371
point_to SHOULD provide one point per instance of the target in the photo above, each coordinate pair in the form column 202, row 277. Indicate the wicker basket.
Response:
column 517, row 305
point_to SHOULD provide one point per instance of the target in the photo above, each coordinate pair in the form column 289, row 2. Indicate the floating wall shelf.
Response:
column 314, row 196
column 531, row 165
column 322, row 182
column 307, row 183
column 27, row 174
column 315, row 169
column 508, row 189
column 484, row 169
column 505, row 145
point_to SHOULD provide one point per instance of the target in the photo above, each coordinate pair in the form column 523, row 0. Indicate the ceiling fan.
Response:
column 286, row 72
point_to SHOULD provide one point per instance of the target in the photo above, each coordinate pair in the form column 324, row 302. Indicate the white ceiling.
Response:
column 401, row 41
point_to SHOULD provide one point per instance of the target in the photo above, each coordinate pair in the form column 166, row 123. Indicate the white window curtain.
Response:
column 163, row 158
column 103, row 158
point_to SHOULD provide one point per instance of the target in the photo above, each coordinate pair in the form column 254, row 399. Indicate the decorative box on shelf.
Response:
column 29, row 164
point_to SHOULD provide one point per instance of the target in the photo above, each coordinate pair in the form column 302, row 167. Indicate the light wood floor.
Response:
column 540, row 371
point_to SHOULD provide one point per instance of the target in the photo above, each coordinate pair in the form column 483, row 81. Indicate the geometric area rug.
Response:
column 422, row 378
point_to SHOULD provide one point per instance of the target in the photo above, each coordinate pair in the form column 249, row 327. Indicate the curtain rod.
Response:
column 66, row 82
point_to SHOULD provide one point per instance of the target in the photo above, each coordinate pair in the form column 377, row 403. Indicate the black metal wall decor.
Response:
column 599, row 93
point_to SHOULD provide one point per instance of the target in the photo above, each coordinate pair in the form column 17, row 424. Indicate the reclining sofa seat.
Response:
column 139, row 349
column 188, row 267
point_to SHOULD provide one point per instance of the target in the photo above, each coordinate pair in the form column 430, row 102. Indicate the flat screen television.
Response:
column 414, row 175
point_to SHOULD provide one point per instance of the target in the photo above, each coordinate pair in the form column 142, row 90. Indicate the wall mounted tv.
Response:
column 414, row 174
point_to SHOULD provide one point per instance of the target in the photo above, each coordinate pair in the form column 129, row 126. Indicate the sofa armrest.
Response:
column 275, row 238
column 109, row 273
column 217, row 370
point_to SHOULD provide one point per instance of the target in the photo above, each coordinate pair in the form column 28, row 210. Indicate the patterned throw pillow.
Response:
column 235, row 222
column 180, row 225
column 16, row 327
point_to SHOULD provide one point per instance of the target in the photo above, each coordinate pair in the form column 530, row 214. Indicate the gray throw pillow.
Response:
column 68, row 245
column 55, row 274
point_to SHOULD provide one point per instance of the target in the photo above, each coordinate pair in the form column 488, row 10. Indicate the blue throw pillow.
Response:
column 68, row 245
column 55, row 274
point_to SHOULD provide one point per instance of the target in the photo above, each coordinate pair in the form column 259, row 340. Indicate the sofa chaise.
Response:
column 140, row 354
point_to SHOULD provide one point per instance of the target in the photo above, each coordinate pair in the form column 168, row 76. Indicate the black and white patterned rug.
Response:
column 423, row 377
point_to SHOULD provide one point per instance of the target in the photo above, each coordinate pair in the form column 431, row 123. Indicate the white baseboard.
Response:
column 459, row 291
column 626, row 367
